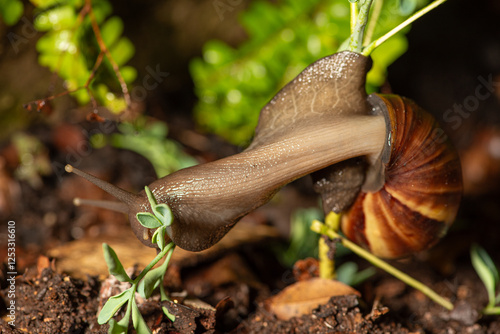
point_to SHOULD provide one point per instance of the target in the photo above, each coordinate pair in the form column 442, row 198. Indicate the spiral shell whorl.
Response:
column 422, row 190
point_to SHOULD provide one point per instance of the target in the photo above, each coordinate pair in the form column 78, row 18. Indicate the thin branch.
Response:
column 104, row 48
column 372, row 46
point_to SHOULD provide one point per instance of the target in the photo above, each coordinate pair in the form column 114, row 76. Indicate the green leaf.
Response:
column 44, row 3
column 57, row 18
column 122, row 51
column 120, row 327
column 113, row 305
column 149, row 140
column 115, row 267
column 407, row 7
column 486, row 270
column 139, row 324
column 111, row 30
column 164, row 213
column 151, row 198
column 11, row 11
column 129, row 73
column 148, row 220
column 150, row 282
column 348, row 273
column 159, row 237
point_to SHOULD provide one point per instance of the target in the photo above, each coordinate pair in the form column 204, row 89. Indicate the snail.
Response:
column 322, row 122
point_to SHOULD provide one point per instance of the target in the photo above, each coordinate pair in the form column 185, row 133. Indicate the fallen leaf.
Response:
column 302, row 297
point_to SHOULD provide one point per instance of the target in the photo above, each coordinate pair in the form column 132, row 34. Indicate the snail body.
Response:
column 321, row 118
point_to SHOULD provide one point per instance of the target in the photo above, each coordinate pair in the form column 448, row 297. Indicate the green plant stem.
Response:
column 326, row 264
column 356, row 39
column 163, row 294
column 319, row 227
column 492, row 310
column 354, row 14
column 158, row 257
column 372, row 46
column 129, row 303
column 372, row 23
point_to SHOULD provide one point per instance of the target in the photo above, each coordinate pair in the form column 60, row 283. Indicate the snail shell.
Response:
column 419, row 199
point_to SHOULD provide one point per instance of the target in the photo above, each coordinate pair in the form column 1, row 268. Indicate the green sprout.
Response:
column 488, row 273
column 147, row 281
column 161, row 218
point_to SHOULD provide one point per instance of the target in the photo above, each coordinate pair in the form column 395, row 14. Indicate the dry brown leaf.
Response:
column 302, row 297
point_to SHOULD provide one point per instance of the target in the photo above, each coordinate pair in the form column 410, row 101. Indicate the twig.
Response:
column 104, row 48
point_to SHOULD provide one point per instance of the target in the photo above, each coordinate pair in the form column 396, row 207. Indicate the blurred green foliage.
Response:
column 69, row 48
column 233, row 84
column 148, row 139
column 11, row 11
column 303, row 242
column 349, row 273
column 34, row 161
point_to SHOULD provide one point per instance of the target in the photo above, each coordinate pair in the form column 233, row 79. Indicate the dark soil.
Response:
column 52, row 302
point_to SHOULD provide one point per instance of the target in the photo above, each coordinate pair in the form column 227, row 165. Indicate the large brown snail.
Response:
column 400, row 197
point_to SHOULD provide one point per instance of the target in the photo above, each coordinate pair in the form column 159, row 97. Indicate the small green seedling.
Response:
column 488, row 273
column 147, row 281
column 349, row 273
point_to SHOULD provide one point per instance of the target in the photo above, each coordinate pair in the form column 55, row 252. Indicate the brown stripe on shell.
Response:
column 355, row 228
column 391, row 228
column 422, row 189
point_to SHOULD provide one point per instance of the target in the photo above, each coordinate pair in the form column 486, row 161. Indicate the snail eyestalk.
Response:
column 109, row 205
column 120, row 194
column 321, row 228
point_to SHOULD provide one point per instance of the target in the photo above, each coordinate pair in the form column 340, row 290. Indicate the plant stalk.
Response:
column 321, row 228
column 327, row 264
column 163, row 294
column 356, row 39
column 372, row 46
column 354, row 14
column 372, row 22
column 158, row 257
column 492, row 310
